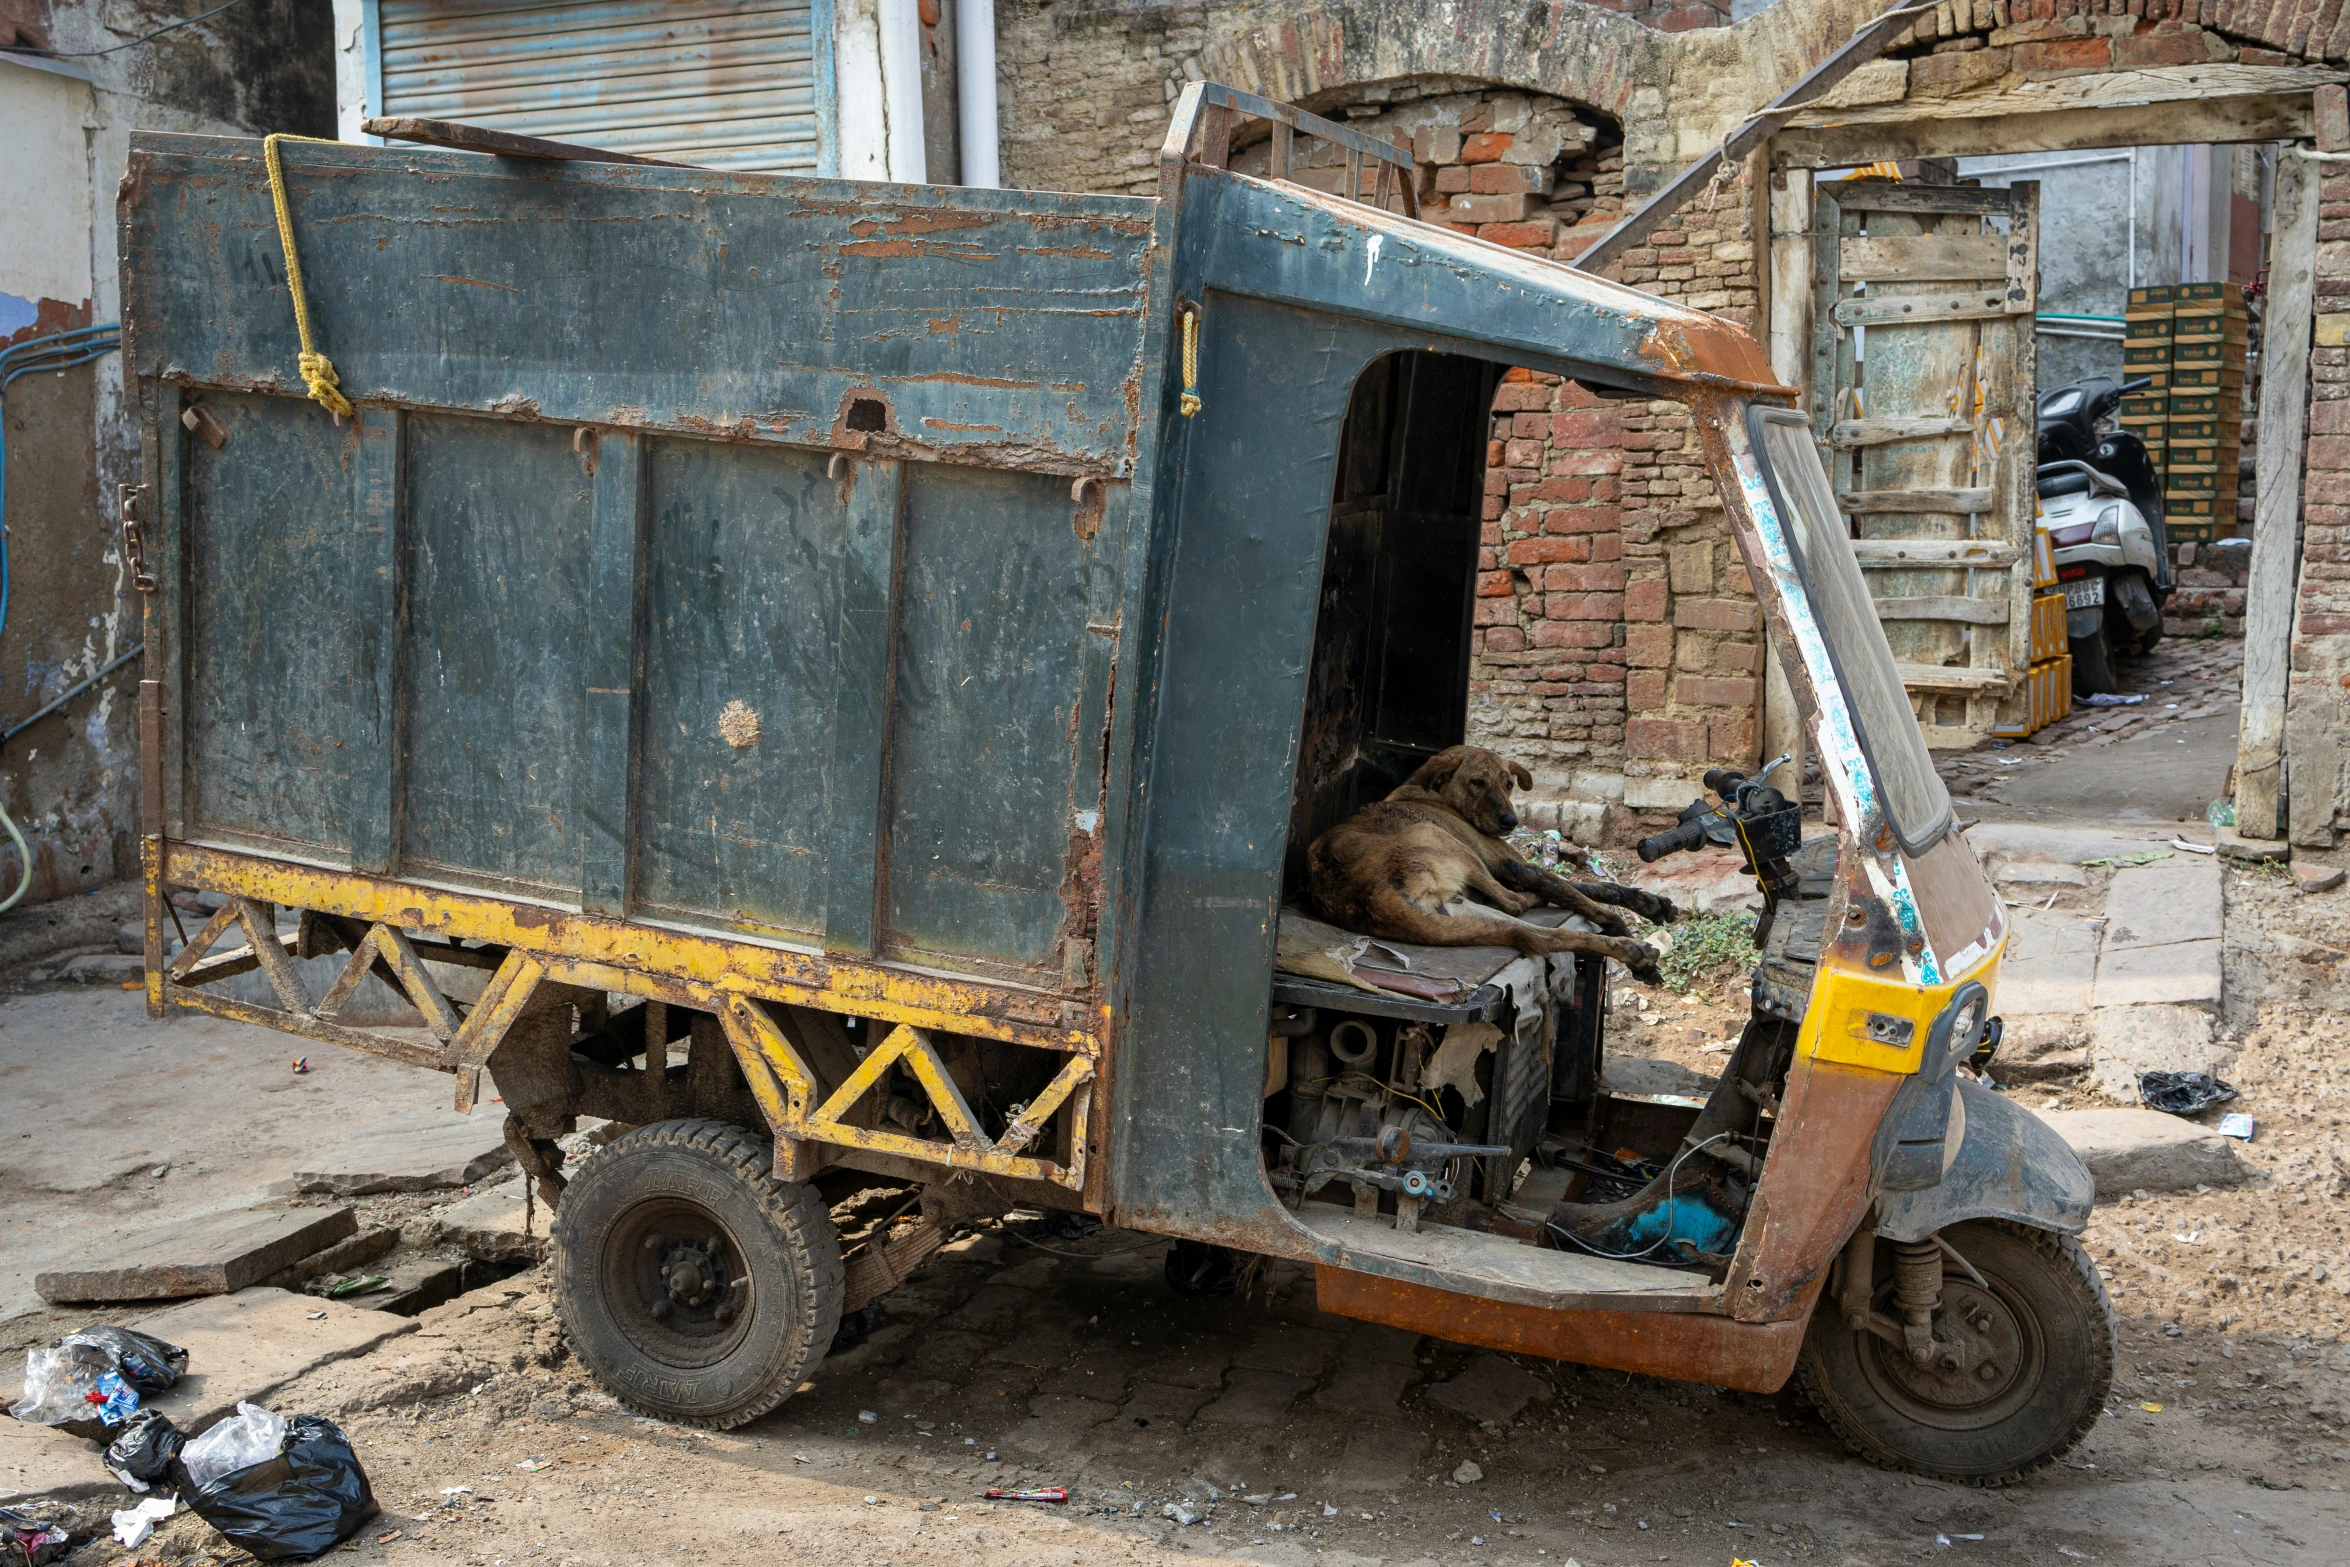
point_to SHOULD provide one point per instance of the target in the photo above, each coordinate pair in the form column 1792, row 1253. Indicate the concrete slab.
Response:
column 2176, row 973
column 2146, row 1150
column 414, row 1152
column 1255, row 1398
column 1492, row 1390
column 2068, row 845
column 2312, row 876
column 211, row 1256
column 2039, row 873
column 489, row 1225
column 2050, row 966
column 2162, row 904
column 1366, row 1387
column 241, row 1347
column 2128, row 1040
column 2040, row 1047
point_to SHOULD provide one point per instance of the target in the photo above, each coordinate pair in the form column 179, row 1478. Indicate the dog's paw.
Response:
column 1663, row 910
column 1640, row 958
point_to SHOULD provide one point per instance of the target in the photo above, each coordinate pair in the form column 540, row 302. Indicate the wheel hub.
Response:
column 1980, row 1351
column 685, row 1279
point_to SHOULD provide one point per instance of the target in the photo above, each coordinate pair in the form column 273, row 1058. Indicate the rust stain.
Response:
column 948, row 326
column 1080, row 252
column 1687, row 1345
column 1815, row 1182
column 949, row 424
column 894, row 249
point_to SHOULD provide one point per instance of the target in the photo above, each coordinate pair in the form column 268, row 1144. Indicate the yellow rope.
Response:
column 1190, row 404
column 318, row 372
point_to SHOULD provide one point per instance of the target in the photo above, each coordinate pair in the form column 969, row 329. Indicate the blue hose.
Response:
column 58, row 351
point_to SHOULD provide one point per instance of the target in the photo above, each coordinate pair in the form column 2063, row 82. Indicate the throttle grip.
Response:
column 1688, row 835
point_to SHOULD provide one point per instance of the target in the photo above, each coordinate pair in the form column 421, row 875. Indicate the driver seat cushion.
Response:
column 2073, row 481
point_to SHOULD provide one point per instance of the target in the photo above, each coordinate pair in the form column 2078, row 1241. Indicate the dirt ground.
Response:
column 1017, row 1359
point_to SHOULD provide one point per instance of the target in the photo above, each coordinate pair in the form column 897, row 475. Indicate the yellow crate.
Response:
column 2043, row 560
column 2052, row 690
column 2220, row 379
column 2163, row 295
column 2047, row 626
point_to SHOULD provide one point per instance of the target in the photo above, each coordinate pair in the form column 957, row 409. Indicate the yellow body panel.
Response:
column 1840, row 1024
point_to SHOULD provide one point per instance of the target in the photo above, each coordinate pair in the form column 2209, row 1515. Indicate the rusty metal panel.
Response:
column 1003, row 328
column 722, row 84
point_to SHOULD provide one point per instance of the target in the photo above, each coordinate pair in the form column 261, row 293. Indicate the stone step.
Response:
column 2145, row 1150
column 217, row 1255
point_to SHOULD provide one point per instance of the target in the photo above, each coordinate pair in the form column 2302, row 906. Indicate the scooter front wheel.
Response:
column 2020, row 1371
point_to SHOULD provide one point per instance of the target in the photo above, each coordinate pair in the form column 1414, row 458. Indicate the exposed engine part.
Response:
column 1917, row 1294
column 1354, row 1043
column 1296, row 1023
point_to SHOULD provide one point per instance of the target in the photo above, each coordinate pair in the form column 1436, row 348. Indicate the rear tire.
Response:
column 2044, row 1337
column 2092, row 664
column 694, row 1285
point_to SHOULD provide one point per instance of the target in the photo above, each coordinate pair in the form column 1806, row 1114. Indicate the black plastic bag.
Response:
column 308, row 1499
column 26, row 1541
column 2183, row 1093
column 144, row 1450
column 146, row 1362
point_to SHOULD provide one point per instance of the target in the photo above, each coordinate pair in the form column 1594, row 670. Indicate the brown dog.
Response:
column 1407, row 868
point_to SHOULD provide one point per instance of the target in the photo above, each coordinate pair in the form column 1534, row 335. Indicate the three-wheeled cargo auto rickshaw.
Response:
column 838, row 680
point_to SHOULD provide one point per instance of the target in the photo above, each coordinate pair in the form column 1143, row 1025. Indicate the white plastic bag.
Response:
column 133, row 1524
column 251, row 1436
column 58, row 1383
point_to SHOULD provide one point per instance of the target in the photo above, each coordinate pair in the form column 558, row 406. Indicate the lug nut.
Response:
column 1988, row 1372
column 661, row 1311
column 653, row 1241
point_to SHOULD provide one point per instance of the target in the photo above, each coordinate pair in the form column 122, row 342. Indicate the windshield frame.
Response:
column 1796, row 524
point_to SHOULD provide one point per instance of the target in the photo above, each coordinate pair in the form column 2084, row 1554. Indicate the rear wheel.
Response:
column 693, row 1284
column 2027, row 1364
column 2093, row 664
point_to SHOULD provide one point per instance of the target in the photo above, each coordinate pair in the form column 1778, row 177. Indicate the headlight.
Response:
column 2108, row 529
column 1964, row 1028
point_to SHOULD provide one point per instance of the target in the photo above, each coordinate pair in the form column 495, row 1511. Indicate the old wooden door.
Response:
column 1924, row 395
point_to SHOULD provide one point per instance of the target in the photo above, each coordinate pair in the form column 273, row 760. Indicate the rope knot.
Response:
column 318, row 373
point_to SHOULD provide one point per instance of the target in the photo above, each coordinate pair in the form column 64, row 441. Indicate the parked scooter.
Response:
column 2101, row 506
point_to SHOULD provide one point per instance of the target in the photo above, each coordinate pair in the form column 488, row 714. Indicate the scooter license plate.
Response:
column 2087, row 593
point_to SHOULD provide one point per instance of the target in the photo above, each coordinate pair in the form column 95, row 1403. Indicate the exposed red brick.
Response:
column 1515, row 397
column 1504, row 179
column 1584, row 606
column 1646, row 599
column 1495, row 612
column 1582, row 579
column 1493, row 584
column 1573, row 548
column 1532, row 234
column 1714, row 691
column 1665, row 739
column 1583, row 519
column 1650, row 646
column 1486, row 146
column 1587, row 427
column 1644, row 690
column 1503, row 639
column 1545, row 551
column 2150, row 49
column 1572, row 633
column 2063, row 56
column 1732, row 738
column 1714, row 614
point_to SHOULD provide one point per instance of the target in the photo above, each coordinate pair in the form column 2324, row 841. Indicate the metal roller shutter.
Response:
column 725, row 84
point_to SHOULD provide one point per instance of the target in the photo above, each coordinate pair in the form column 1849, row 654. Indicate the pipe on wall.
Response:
column 901, row 89
column 975, row 106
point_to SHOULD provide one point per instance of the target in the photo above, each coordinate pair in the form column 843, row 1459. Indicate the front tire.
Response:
column 693, row 1285
column 2041, row 1344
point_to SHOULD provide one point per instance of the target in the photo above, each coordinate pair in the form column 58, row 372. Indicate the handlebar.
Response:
column 2139, row 385
column 1689, row 835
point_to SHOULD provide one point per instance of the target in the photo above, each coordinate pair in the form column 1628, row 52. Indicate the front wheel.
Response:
column 694, row 1285
column 2020, row 1374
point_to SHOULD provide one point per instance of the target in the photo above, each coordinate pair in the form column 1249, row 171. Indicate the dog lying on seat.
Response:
column 1428, row 864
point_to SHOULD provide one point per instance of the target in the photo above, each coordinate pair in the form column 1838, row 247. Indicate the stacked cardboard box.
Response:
column 2203, row 438
column 2146, row 351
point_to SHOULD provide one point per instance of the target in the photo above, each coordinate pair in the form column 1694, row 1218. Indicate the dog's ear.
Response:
column 1518, row 771
column 1437, row 771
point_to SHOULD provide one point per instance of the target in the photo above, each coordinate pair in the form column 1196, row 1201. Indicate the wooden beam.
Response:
column 1791, row 303
column 1893, row 554
column 2054, row 121
column 1925, row 606
column 2271, row 589
column 1856, row 51
column 1923, row 258
column 502, row 144
column 1959, row 502
column 1876, row 432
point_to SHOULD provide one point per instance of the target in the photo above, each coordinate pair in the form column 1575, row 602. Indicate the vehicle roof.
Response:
column 1518, row 301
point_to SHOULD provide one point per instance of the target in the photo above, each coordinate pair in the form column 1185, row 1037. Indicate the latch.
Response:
column 134, row 534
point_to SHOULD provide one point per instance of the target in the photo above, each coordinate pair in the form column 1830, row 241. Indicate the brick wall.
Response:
column 2319, row 696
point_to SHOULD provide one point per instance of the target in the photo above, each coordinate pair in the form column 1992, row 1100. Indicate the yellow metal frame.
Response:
column 1845, row 1002
column 542, row 945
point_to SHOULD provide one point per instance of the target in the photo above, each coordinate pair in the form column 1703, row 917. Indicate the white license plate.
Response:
column 2087, row 593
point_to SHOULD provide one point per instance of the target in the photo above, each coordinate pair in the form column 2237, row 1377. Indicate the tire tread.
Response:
column 799, row 1218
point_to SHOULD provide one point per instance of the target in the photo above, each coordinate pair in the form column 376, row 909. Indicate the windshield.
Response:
column 1908, row 789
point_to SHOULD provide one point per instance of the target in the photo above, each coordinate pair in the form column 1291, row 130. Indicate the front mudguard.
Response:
column 2010, row 1165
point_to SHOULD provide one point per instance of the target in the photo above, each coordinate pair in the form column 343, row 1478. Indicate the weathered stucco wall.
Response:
column 70, row 781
